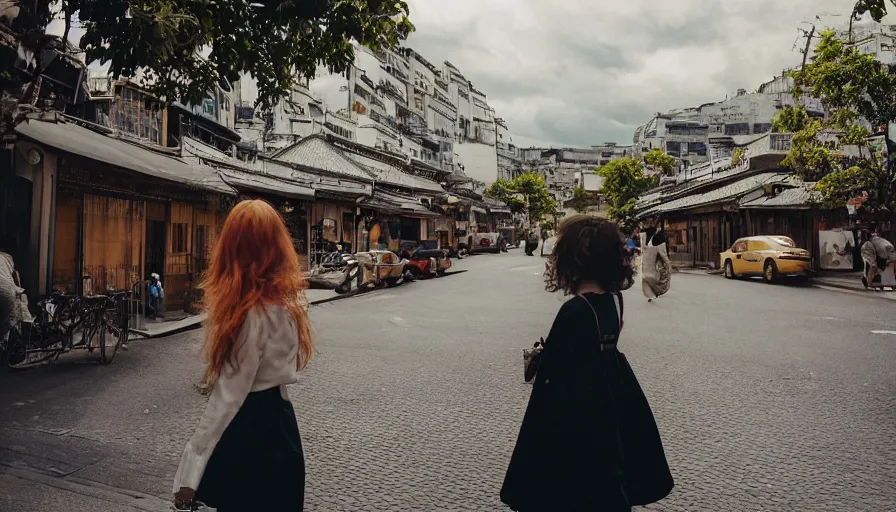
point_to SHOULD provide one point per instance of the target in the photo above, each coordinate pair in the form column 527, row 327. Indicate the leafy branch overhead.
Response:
column 624, row 183
column 527, row 193
column 659, row 160
column 841, row 151
column 876, row 8
column 185, row 47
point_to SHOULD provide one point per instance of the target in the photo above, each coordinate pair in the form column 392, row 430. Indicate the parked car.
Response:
column 424, row 263
column 380, row 267
column 484, row 242
column 767, row 256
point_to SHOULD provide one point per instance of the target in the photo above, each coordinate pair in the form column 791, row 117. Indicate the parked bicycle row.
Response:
column 60, row 323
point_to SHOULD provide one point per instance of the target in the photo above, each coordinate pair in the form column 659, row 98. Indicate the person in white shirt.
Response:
column 246, row 453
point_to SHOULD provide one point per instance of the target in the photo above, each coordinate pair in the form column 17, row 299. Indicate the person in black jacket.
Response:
column 588, row 441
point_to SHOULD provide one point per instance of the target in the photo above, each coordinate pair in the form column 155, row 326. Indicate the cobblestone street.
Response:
column 769, row 398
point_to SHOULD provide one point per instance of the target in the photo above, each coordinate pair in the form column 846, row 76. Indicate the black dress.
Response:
column 258, row 464
column 588, row 441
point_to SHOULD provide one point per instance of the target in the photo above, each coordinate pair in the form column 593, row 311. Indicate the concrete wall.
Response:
column 480, row 161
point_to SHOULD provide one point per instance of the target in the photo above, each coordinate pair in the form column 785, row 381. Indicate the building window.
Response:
column 136, row 114
column 179, row 232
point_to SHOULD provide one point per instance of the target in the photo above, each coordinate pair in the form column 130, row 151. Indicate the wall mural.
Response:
column 836, row 249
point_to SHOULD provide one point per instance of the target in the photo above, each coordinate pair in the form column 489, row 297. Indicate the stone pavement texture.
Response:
column 769, row 398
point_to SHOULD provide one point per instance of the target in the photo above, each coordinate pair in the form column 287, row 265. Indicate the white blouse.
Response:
column 265, row 349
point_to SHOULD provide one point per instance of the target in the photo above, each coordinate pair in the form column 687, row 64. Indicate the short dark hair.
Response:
column 588, row 248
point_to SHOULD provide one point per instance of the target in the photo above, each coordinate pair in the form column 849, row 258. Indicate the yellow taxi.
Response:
column 767, row 256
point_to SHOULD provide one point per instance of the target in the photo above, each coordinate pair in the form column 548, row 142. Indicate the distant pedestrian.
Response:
column 877, row 254
column 156, row 295
column 588, row 441
column 656, row 268
column 246, row 454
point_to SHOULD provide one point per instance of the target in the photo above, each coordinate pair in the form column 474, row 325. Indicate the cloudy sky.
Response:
column 583, row 72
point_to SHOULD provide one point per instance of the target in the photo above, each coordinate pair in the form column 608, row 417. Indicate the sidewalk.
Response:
column 167, row 328
column 842, row 281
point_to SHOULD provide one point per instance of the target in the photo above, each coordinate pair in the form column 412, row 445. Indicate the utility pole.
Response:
column 809, row 35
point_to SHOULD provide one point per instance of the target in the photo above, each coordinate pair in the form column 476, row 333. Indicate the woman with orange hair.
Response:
column 246, row 453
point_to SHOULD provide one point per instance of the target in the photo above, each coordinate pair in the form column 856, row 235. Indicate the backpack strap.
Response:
column 620, row 308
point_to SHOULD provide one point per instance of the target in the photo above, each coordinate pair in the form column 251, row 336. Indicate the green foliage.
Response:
column 853, row 88
column 736, row 156
column 658, row 159
column 877, row 8
column 624, row 182
column 527, row 193
column 276, row 41
column 583, row 200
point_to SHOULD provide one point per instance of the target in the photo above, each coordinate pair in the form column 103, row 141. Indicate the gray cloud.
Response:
column 583, row 72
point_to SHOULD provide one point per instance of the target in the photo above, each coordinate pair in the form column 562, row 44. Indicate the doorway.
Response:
column 156, row 238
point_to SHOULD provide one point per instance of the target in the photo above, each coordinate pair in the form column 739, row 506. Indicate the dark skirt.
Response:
column 258, row 464
column 546, row 471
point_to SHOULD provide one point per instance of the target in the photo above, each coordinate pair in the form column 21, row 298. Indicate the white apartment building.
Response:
column 694, row 135
column 396, row 101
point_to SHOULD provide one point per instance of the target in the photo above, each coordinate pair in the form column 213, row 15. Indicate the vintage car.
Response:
column 425, row 263
column 335, row 271
column 766, row 256
column 377, row 268
column 483, row 242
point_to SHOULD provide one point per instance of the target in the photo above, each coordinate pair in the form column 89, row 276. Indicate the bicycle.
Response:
column 65, row 323
column 50, row 332
column 105, row 314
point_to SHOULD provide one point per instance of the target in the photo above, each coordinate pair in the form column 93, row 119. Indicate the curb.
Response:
column 144, row 335
column 855, row 291
column 96, row 490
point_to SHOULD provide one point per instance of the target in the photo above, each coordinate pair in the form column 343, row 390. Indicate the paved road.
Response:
column 769, row 398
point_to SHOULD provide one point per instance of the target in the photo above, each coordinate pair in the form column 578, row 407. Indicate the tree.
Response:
column 186, row 47
column 658, row 159
column 876, row 8
column 838, row 151
column 624, row 182
column 527, row 193
column 583, row 200
column 736, row 156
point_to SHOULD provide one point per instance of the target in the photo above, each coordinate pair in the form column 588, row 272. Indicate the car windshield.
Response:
column 786, row 242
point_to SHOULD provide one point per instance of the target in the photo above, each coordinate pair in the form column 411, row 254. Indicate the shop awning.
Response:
column 731, row 192
column 242, row 180
column 71, row 138
column 398, row 204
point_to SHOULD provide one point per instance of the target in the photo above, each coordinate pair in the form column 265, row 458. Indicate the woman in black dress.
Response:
column 588, row 441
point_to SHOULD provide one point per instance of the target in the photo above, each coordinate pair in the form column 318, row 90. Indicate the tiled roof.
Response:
column 730, row 191
column 799, row 197
column 315, row 153
column 391, row 175
column 69, row 137
column 268, row 184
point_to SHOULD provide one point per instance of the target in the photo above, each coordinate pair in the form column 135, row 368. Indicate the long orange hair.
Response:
column 253, row 263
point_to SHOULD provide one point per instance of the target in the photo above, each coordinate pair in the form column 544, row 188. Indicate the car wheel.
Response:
column 770, row 272
column 729, row 270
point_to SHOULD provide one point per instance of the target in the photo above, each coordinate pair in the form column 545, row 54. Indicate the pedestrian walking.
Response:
column 877, row 253
column 246, row 453
column 156, row 296
column 656, row 268
column 588, row 439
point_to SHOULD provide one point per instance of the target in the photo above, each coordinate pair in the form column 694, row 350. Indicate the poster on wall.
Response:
column 836, row 249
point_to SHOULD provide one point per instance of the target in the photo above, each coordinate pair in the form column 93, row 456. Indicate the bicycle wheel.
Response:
column 109, row 345
column 21, row 352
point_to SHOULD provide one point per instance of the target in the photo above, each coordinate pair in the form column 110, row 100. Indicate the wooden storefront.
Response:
column 107, row 236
